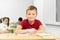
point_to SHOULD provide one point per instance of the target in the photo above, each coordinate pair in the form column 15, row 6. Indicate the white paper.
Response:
column 24, row 34
column 44, row 34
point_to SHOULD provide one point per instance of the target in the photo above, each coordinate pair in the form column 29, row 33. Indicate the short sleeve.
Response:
column 3, row 27
column 39, row 22
column 22, row 23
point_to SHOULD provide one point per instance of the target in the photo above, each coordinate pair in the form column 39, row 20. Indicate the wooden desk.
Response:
column 15, row 37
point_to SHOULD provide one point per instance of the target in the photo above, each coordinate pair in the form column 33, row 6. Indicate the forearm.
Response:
column 21, row 31
column 41, row 31
column 32, row 30
column 4, row 31
column 24, row 31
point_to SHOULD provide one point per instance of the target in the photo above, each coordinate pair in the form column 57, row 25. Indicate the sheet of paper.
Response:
column 44, row 34
column 24, row 34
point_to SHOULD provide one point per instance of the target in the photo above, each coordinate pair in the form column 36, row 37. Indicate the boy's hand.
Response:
column 31, row 30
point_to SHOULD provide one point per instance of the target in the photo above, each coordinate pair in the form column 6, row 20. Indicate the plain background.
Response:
column 14, row 9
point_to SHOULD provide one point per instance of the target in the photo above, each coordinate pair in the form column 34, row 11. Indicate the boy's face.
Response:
column 31, row 15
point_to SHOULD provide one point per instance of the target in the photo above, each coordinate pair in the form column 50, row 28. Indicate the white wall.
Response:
column 46, row 10
column 49, row 11
column 14, row 8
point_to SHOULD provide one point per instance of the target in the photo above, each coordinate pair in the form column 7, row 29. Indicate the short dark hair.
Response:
column 31, row 8
column 20, row 19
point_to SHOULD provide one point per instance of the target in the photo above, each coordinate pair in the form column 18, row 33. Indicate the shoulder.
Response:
column 23, row 22
column 1, row 24
column 38, row 21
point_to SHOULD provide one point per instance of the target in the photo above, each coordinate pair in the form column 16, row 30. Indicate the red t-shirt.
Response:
column 25, row 24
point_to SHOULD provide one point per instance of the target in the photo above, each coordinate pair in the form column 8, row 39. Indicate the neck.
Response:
column 31, row 22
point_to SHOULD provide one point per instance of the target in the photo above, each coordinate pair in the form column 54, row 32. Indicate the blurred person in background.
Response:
column 4, row 25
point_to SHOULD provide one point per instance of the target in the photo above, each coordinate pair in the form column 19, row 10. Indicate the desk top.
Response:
column 14, row 36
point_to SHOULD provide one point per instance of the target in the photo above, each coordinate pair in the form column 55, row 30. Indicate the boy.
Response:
column 31, row 24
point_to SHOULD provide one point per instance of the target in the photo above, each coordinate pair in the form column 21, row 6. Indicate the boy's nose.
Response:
column 31, row 15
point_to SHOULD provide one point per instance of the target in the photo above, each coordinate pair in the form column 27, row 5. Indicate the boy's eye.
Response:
column 29, row 14
column 33, row 14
